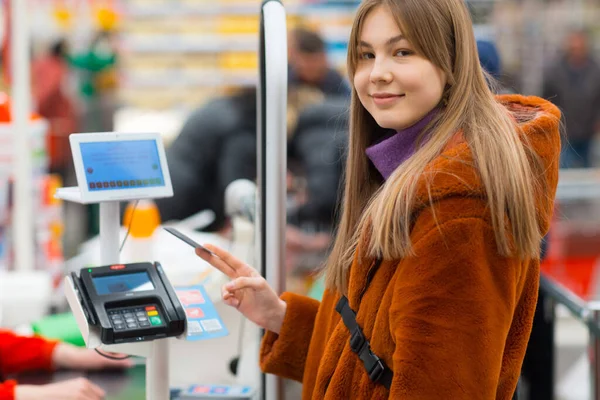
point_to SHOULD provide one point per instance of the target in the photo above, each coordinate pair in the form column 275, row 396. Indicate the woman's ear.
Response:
column 444, row 86
column 447, row 77
column 446, row 80
column 446, row 94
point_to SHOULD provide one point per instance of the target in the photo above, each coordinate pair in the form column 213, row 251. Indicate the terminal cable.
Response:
column 111, row 357
column 130, row 223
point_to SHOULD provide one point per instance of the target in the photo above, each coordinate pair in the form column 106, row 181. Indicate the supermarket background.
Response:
column 147, row 65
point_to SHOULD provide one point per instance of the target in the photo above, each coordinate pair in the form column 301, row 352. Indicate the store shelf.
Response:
column 173, row 80
column 176, row 51
column 178, row 43
column 168, row 43
column 178, row 10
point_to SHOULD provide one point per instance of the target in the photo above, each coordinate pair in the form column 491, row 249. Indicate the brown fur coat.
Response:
column 451, row 322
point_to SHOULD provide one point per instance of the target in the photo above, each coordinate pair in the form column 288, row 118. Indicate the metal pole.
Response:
column 272, row 156
column 109, row 232
column 157, row 370
column 21, row 109
column 594, row 354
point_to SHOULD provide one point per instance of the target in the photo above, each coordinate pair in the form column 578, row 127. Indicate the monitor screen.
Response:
column 128, row 164
column 122, row 283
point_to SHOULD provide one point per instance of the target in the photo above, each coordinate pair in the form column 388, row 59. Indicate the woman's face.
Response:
column 397, row 86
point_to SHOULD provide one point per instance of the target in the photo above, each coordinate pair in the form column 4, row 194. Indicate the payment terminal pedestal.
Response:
column 114, row 167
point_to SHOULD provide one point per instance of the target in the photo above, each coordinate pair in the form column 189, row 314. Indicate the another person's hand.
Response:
column 72, row 357
column 74, row 389
column 248, row 291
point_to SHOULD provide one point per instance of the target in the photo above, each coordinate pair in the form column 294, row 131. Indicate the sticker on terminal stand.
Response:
column 203, row 320
column 218, row 392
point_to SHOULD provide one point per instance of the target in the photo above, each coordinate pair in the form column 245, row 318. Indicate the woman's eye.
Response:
column 366, row 56
column 403, row 53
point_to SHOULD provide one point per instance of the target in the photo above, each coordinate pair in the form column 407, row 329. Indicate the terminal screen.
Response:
column 122, row 283
column 129, row 164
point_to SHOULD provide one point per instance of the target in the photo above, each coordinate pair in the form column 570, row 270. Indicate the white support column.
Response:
column 21, row 109
column 157, row 371
column 272, row 158
column 109, row 232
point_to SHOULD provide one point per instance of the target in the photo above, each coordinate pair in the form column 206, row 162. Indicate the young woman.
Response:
column 433, row 276
column 19, row 354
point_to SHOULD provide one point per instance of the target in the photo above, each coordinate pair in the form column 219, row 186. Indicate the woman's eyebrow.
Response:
column 389, row 42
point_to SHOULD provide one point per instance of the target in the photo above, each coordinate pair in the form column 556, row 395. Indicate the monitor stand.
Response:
column 69, row 194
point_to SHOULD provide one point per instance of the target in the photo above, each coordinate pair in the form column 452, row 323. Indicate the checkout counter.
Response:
column 118, row 385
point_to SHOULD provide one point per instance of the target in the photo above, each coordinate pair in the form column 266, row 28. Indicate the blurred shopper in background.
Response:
column 491, row 62
column 573, row 84
column 308, row 64
column 98, row 81
column 50, row 73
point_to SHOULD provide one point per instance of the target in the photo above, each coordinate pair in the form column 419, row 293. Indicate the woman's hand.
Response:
column 248, row 291
column 72, row 357
column 74, row 389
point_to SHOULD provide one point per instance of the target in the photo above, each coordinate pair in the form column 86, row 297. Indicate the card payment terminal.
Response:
column 130, row 302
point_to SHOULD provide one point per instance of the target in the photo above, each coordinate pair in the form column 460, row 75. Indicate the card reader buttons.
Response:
column 135, row 318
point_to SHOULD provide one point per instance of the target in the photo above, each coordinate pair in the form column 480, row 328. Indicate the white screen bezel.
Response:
column 88, row 196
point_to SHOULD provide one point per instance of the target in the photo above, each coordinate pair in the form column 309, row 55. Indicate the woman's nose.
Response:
column 381, row 71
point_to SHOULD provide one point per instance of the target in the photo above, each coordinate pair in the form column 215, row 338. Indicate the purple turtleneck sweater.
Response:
column 388, row 154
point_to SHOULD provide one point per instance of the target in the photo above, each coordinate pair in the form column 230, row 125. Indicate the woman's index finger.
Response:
column 227, row 257
column 216, row 261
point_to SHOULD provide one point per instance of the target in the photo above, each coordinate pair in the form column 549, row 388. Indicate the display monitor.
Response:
column 122, row 283
column 121, row 165
column 113, row 166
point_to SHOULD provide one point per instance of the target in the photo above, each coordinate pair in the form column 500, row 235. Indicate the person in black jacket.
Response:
column 195, row 157
column 316, row 152
column 217, row 145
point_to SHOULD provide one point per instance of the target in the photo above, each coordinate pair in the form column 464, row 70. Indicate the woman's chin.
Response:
column 389, row 123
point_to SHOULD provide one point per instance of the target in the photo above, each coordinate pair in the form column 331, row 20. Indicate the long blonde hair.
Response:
column 442, row 32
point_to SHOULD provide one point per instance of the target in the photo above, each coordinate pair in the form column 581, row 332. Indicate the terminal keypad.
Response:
column 138, row 317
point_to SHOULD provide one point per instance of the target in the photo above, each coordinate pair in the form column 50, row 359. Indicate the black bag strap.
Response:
column 376, row 369
column 370, row 276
